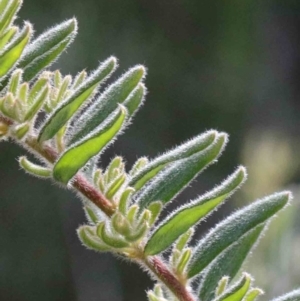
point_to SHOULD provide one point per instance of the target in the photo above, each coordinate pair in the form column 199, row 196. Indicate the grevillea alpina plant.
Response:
column 123, row 208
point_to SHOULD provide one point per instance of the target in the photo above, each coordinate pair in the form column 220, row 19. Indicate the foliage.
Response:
column 123, row 208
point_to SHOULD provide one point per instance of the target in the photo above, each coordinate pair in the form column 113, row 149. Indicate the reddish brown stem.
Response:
column 80, row 183
column 83, row 186
column 157, row 266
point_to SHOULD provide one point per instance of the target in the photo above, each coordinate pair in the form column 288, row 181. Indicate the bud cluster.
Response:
column 129, row 225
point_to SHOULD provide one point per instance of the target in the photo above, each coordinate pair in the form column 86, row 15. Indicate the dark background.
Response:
column 229, row 65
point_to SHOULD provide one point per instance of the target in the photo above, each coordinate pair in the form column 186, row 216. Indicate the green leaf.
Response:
column 190, row 214
column 39, row 101
column 115, row 186
column 183, row 151
column 238, row 291
column 111, row 240
column 228, row 263
column 107, row 103
column 67, row 109
column 179, row 174
column 136, row 98
column 38, row 86
column 253, row 294
column 77, row 155
column 7, row 36
column 234, row 227
column 9, row 12
column 13, row 51
column 47, row 47
column 292, row 296
column 3, row 4
column 14, row 82
column 90, row 240
column 34, row 169
column 222, row 285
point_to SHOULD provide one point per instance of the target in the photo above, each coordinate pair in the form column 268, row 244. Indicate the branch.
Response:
column 161, row 271
column 80, row 183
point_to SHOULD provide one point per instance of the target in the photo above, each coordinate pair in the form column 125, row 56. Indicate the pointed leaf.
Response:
column 238, row 291
column 47, row 47
column 34, row 169
column 292, row 296
column 107, row 103
column 232, row 228
column 189, row 215
column 172, row 180
column 7, row 36
column 90, row 240
column 40, row 100
column 253, row 294
column 13, row 51
column 135, row 99
column 228, row 263
column 6, row 18
column 183, row 151
column 80, row 153
column 67, row 109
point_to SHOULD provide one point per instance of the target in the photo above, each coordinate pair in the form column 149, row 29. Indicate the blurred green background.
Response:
column 229, row 65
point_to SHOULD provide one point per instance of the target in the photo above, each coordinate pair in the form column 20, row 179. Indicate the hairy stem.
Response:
column 80, row 183
column 161, row 271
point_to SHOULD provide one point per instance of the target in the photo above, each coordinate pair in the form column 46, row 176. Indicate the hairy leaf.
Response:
column 238, row 291
column 178, row 175
column 188, row 215
column 37, row 104
column 9, row 11
column 232, row 228
column 13, row 51
column 34, row 169
column 90, row 240
column 291, row 296
column 253, row 294
column 107, row 103
column 77, row 155
column 228, row 263
column 67, row 109
column 47, row 47
column 7, row 36
column 183, row 151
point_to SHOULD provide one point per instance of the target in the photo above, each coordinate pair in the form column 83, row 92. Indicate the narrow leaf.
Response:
column 234, row 227
column 183, row 151
column 77, row 155
column 38, row 86
column 228, row 263
column 13, row 51
column 7, row 36
column 135, row 99
column 222, row 285
column 238, row 291
column 292, row 296
column 174, row 178
column 253, row 294
column 47, row 47
column 8, row 14
column 107, row 103
column 67, row 109
column 34, row 169
column 40, row 100
column 15, row 81
column 188, row 215
column 110, row 240
column 89, row 239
